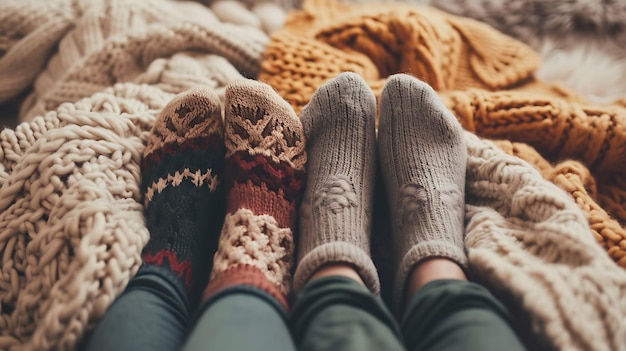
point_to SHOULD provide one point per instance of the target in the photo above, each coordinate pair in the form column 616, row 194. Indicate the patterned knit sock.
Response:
column 180, row 171
column 265, row 172
column 423, row 158
column 335, row 222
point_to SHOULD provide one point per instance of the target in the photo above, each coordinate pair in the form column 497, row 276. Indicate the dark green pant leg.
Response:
column 338, row 314
column 457, row 315
column 241, row 318
column 151, row 314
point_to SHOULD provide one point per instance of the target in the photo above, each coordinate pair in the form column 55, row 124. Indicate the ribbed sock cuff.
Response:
column 337, row 252
column 243, row 275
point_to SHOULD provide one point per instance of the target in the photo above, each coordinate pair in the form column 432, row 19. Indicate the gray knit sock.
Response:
column 423, row 158
column 335, row 216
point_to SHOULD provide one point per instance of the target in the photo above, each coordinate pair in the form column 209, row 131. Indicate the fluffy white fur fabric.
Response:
column 582, row 42
column 526, row 19
column 588, row 68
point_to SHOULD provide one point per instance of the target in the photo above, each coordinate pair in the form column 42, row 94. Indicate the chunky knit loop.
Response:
column 531, row 245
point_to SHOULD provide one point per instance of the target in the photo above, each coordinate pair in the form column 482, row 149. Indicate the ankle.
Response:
column 337, row 269
column 431, row 269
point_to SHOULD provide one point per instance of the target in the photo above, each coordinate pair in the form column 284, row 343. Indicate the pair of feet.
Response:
column 422, row 154
column 242, row 174
column 257, row 157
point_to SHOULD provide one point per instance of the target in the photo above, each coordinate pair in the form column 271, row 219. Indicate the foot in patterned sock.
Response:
column 265, row 173
column 183, row 204
column 423, row 157
column 335, row 222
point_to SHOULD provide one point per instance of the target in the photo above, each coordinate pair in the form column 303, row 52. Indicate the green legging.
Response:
column 339, row 314
column 332, row 313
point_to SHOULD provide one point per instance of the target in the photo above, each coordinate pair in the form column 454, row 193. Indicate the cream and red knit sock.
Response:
column 180, row 171
column 423, row 157
column 264, row 172
column 336, row 213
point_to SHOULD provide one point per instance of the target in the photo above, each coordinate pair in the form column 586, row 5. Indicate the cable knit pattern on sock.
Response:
column 259, row 241
column 337, row 194
column 264, row 174
column 336, row 213
column 423, row 157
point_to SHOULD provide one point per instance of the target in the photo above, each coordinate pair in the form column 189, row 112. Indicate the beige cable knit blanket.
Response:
column 71, row 222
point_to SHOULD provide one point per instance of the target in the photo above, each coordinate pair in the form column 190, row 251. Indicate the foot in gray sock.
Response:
column 423, row 158
column 335, row 216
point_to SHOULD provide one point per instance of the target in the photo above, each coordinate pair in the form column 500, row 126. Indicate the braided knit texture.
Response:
column 71, row 210
column 484, row 77
column 531, row 246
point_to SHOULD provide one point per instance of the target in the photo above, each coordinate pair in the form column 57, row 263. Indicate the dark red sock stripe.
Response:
column 260, row 200
column 242, row 167
column 211, row 142
column 183, row 268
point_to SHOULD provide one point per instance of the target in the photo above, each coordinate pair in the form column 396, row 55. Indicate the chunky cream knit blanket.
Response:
column 71, row 221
